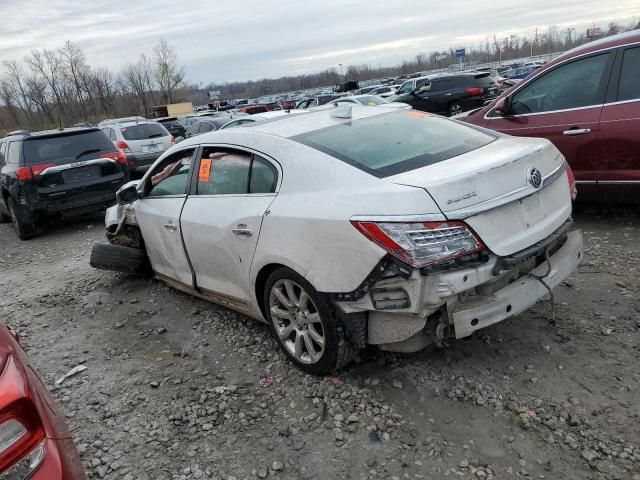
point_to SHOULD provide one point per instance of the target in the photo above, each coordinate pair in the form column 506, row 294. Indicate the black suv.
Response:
column 67, row 172
column 173, row 125
column 453, row 94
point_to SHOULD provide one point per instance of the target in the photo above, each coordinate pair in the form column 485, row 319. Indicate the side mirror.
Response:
column 179, row 139
column 503, row 106
column 128, row 193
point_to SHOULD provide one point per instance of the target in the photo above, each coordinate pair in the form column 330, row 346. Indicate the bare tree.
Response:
column 167, row 73
column 137, row 77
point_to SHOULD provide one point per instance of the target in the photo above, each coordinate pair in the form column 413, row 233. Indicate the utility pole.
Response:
column 340, row 71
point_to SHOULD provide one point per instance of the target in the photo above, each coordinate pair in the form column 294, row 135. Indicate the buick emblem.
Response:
column 534, row 177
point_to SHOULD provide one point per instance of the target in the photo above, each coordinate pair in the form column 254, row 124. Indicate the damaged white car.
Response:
column 353, row 226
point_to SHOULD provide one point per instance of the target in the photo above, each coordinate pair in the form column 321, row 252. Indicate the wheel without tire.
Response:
column 116, row 258
column 303, row 324
column 24, row 230
column 455, row 108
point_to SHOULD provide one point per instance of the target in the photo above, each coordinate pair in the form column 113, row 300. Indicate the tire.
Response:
column 24, row 230
column 116, row 258
column 455, row 108
column 313, row 319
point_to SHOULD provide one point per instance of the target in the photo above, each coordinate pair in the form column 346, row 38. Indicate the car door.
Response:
column 563, row 105
column 442, row 93
column 163, row 193
column 619, row 135
column 421, row 97
column 222, row 218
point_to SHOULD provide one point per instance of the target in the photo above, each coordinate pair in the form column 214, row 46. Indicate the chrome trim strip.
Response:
column 586, row 182
column 553, row 176
column 508, row 197
column 618, row 182
column 68, row 166
column 427, row 217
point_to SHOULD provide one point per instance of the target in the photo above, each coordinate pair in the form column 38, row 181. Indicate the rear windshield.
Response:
column 372, row 100
column 170, row 123
column 143, row 131
column 65, row 149
column 396, row 142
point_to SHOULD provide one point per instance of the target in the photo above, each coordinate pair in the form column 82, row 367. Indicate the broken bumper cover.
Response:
column 517, row 297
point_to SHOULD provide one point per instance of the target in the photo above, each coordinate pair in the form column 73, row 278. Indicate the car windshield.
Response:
column 143, row 131
column 63, row 149
column 396, row 142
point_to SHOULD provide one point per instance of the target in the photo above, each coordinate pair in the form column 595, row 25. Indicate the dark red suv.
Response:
column 587, row 102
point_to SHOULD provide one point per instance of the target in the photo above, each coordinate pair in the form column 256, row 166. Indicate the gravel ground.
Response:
column 177, row 388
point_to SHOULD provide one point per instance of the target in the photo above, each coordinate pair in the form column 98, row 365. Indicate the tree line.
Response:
column 52, row 88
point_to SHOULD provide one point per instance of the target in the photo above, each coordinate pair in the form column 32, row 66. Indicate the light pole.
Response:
column 340, row 71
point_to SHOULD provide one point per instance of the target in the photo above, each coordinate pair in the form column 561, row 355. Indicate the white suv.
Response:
column 141, row 141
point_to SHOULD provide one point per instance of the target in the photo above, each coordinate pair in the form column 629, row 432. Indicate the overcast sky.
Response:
column 227, row 40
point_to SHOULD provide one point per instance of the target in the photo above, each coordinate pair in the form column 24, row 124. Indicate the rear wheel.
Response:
column 304, row 325
column 24, row 230
column 116, row 258
column 455, row 108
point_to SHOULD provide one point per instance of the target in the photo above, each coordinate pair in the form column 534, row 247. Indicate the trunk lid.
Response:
column 489, row 188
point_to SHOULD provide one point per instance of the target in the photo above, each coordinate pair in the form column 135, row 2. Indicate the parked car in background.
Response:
column 370, row 101
column 334, row 226
column 260, row 117
column 141, row 141
column 587, row 102
column 363, row 90
column 348, row 86
column 35, row 442
column 520, row 73
column 452, row 94
column 64, row 172
column 211, row 123
column 317, row 101
column 410, row 85
column 253, row 109
column 385, row 91
column 175, row 128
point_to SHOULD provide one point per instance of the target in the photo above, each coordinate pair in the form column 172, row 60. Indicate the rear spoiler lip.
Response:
column 68, row 166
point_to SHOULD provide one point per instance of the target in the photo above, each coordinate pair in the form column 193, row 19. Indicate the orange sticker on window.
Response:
column 416, row 114
column 204, row 174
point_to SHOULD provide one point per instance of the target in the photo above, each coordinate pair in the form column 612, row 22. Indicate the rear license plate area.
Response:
column 82, row 173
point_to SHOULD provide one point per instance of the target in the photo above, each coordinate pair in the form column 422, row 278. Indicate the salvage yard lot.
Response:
column 173, row 385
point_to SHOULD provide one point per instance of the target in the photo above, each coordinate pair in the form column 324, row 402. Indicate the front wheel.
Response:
column 455, row 108
column 303, row 324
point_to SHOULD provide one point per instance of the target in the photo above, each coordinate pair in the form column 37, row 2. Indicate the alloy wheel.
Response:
column 297, row 321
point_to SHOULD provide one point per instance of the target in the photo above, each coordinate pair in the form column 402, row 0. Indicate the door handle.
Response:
column 242, row 230
column 576, row 131
column 170, row 226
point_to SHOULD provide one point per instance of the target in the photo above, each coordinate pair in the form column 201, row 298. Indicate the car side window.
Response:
column 263, row 176
column 574, row 85
column 13, row 153
column 205, row 127
column 234, row 172
column 629, row 84
column 171, row 176
column 3, row 152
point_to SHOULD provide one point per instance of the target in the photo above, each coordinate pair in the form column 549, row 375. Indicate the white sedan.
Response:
column 353, row 226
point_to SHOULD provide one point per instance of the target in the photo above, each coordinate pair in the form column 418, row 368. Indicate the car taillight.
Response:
column 26, row 174
column 118, row 156
column 122, row 145
column 422, row 243
column 21, row 431
column 475, row 90
column 573, row 189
